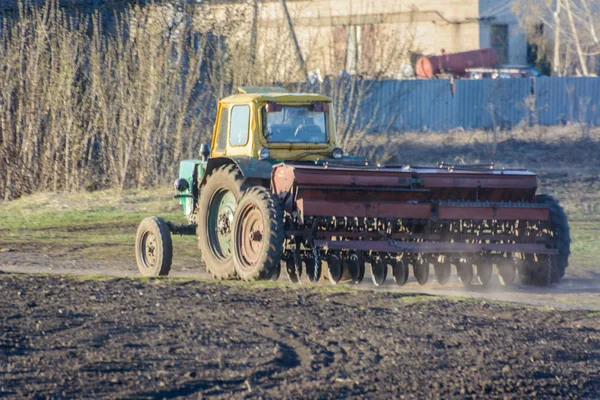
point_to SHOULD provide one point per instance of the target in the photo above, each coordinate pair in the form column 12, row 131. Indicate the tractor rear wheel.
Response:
column 561, row 235
column 153, row 247
column 216, row 208
column 257, row 235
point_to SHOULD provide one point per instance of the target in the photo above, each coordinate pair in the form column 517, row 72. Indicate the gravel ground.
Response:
column 120, row 338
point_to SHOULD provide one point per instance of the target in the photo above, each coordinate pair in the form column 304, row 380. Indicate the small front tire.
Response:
column 153, row 247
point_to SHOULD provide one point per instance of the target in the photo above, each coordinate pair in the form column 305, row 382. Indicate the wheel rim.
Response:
column 249, row 236
column 149, row 247
column 220, row 222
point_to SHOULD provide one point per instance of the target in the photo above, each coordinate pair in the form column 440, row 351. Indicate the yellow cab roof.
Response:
column 275, row 94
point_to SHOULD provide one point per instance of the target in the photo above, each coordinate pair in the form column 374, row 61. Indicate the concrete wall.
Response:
column 385, row 27
column 499, row 12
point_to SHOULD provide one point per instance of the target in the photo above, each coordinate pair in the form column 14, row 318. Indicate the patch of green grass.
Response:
column 585, row 245
column 102, row 225
column 594, row 314
column 419, row 298
column 96, row 226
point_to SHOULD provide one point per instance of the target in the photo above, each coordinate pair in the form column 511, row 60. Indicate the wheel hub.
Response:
column 220, row 223
column 225, row 221
column 252, row 236
column 149, row 244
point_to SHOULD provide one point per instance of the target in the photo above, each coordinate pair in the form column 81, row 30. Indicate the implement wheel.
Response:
column 216, row 209
column 443, row 271
column 484, row 272
column 561, row 238
column 153, row 247
column 464, row 270
column 293, row 268
column 400, row 271
column 378, row 271
column 420, row 270
column 257, row 235
column 356, row 268
column 314, row 268
column 507, row 272
column 335, row 268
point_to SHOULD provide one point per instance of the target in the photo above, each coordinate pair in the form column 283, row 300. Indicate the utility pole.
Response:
column 556, row 61
column 294, row 39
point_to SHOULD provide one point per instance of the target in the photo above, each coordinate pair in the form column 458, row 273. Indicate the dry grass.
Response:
column 85, row 109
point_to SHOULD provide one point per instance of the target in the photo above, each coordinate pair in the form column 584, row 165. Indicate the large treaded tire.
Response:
column 257, row 235
column 153, row 247
column 226, row 178
column 562, row 237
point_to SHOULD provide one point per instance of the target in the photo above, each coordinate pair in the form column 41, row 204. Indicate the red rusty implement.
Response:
column 436, row 200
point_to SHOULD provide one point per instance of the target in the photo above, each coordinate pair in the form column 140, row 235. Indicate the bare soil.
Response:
column 75, row 324
column 123, row 338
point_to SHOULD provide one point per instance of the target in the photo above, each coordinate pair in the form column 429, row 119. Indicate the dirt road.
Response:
column 574, row 291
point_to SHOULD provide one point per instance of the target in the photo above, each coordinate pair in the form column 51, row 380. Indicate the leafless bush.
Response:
column 79, row 108
column 83, row 109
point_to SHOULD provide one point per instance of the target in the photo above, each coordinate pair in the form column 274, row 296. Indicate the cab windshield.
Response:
column 295, row 124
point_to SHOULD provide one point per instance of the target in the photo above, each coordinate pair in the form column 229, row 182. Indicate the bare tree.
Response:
column 574, row 29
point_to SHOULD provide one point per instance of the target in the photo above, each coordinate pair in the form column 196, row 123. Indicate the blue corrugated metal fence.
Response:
column 437, row 105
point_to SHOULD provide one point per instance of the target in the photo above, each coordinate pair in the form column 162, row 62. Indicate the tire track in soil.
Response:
column 164, row 339
column 572, row 293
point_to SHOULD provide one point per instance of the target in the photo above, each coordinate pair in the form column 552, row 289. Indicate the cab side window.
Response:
column 240, row 125
column 222, row 134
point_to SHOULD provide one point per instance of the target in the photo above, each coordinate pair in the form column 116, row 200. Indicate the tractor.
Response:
column 275, row 191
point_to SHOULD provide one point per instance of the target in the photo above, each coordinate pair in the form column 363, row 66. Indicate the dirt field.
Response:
column 118, row 338
column 94, row 331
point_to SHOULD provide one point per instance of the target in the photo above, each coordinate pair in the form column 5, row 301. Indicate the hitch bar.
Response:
column 189, row 229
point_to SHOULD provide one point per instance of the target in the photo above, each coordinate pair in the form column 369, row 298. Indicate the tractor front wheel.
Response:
column 218, row 201
column 257, row 235
column 153, row 247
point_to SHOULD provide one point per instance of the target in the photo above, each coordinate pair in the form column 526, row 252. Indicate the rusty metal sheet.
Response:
column 351, row 177
column 469, row 180
column 493, row 213
column 387, row 246
column 362, row 209
column 362, row 194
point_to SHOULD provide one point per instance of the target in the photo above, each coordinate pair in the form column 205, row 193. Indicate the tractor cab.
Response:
column 271, row 123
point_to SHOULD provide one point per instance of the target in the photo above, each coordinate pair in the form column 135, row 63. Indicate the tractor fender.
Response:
column 249, row 167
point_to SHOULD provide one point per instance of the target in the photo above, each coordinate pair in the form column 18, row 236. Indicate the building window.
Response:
column 499, row 42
